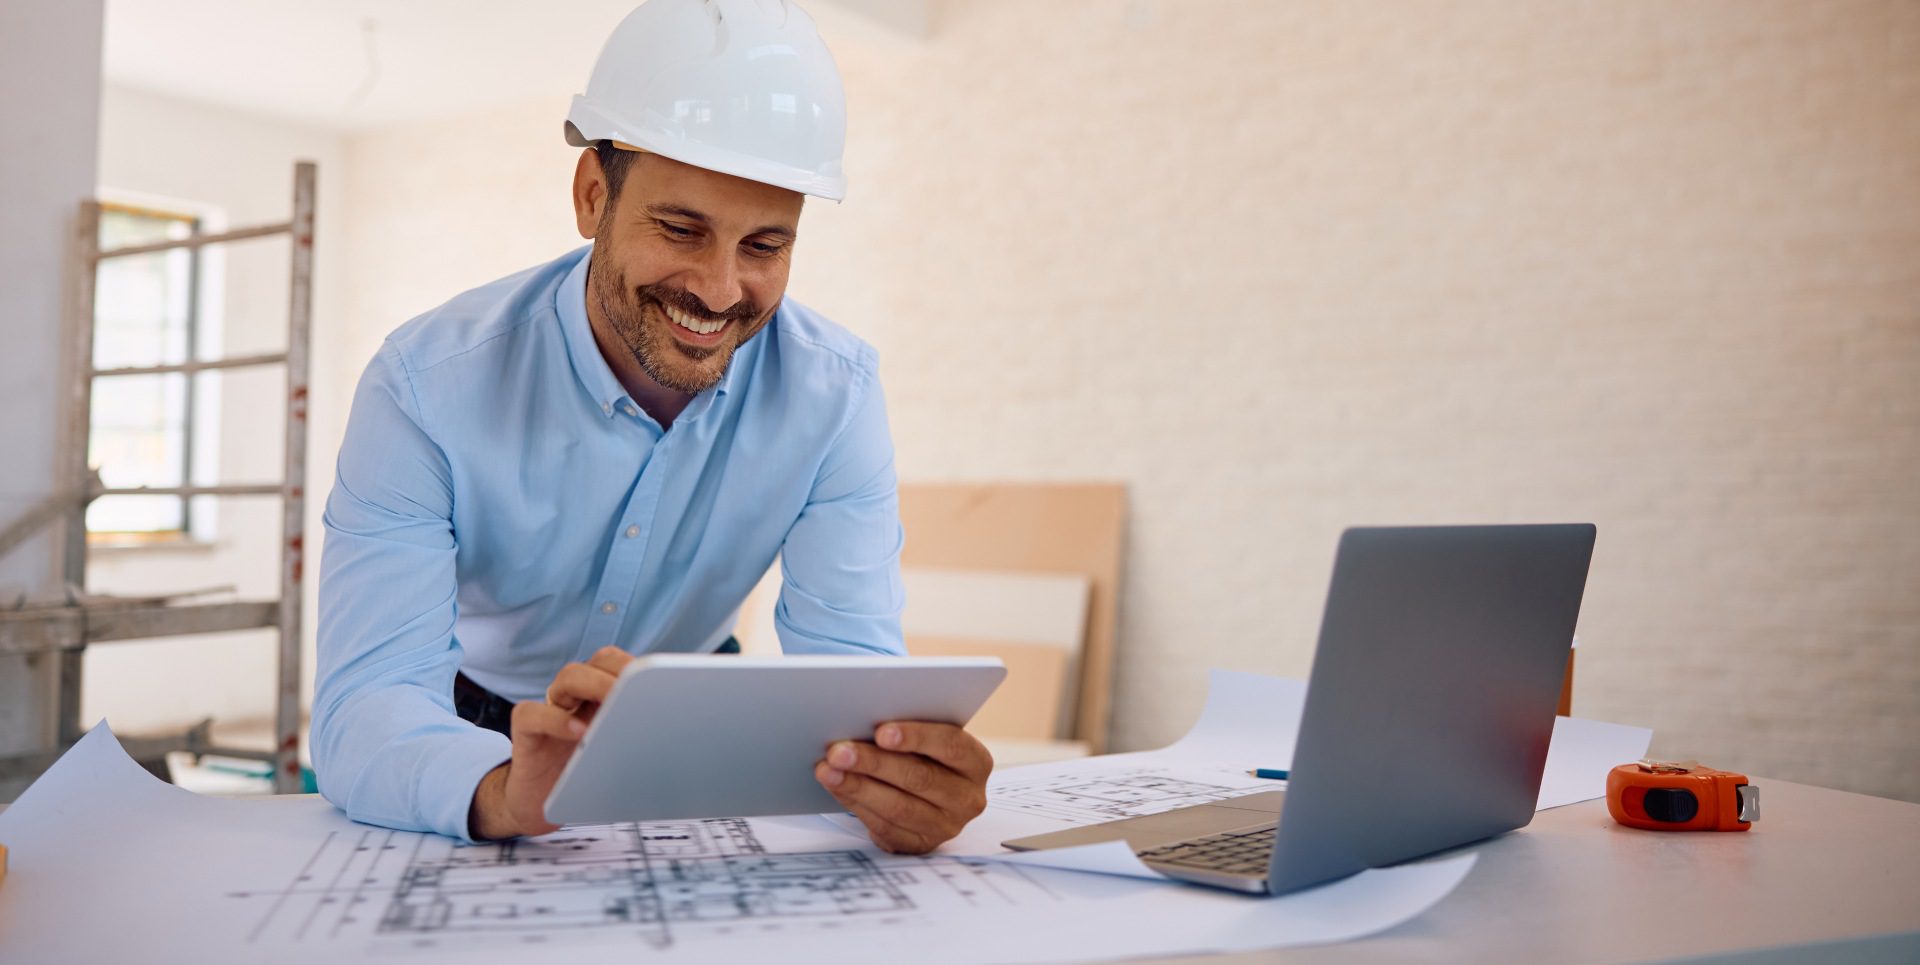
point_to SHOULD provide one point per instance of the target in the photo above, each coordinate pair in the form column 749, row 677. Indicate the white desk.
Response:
column 1825, row 868
column 1820, row 866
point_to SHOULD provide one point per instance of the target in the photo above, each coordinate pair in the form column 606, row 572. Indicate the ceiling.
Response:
column 356, row 64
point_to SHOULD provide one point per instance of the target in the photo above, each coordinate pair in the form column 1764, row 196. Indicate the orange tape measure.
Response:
column 1681, row 796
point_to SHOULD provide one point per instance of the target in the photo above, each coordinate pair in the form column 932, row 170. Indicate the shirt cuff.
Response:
column 447, row 784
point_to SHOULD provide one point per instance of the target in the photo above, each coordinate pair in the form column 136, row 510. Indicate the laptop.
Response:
column 1432, row 700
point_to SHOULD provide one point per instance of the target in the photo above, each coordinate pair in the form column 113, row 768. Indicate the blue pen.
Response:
column 1269, row 773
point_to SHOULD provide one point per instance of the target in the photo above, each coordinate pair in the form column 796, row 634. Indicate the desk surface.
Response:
column 1573, row 886
column 1820, row 866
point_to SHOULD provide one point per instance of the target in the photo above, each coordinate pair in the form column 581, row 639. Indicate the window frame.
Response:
column 193, row 529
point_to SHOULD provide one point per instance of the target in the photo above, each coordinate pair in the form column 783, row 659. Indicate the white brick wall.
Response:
column 1285, row 268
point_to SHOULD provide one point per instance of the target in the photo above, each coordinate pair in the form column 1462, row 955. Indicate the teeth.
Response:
column 692, row 324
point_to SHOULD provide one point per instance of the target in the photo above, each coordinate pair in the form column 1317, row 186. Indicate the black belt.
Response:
column 484, row 708
column 480, row 706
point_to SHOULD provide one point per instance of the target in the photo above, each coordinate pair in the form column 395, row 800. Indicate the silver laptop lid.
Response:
column 1433, row 692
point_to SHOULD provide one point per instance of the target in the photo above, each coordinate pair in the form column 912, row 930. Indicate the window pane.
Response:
column 120, row 227
column 139, row 430
column 140, row 303
column 134, row 514
column 140, row 423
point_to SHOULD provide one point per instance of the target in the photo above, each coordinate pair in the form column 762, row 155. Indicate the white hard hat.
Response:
column 743, row 87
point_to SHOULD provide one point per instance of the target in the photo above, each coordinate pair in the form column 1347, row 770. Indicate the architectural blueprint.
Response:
column 1127, row 793
column 109, row 864
column 655, row 884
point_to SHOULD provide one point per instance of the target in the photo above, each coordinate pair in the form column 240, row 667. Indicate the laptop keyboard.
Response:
column 1234, row 852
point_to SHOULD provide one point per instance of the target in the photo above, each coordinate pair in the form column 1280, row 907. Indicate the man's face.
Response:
column 687, row 264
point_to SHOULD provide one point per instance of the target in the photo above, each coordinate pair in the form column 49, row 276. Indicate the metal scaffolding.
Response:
column 67, row 629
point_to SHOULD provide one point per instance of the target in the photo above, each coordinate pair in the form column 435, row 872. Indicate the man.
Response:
column 601, row 455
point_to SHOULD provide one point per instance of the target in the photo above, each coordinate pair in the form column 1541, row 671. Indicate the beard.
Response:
column 640, row 322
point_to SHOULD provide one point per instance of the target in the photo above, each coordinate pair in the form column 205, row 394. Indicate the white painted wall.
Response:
column 49, row 98
column 1287, row 268
column 166, row 149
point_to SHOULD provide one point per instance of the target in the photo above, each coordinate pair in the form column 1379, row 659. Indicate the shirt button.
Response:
column 631, row 410
column 608, row 607
column 633, row 531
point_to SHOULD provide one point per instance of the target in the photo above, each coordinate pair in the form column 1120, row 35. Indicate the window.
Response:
column 146, row 313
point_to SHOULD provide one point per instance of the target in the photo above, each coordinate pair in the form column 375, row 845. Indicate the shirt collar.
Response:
column 570, row 301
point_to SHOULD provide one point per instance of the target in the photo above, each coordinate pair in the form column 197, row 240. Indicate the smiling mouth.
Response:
column 702, row 327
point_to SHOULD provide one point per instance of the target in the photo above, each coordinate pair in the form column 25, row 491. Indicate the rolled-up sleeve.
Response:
column 841, row 589
column 387, row 747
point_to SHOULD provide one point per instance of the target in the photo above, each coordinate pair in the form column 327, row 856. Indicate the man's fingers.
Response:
column 535, row 719
column 891, row 837
column 885, row 830
column 945, row 743
column 919, row 776
column 577, row 684
column 610, row 659
column 888, row 803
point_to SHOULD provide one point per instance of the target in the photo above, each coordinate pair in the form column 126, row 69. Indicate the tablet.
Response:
column 720, row 736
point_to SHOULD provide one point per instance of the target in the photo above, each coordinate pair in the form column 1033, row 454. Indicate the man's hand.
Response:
column 916, row 789
column 509, row 800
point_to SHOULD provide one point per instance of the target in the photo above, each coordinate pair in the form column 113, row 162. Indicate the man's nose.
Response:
column 716, row 282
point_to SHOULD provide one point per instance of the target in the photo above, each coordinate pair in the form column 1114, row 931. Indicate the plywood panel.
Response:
column 1566, row 688
column 999, row 604
column 1042, row 527
column 1029, row 703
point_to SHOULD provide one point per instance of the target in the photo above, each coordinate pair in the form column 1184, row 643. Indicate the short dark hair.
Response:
column 614, row 161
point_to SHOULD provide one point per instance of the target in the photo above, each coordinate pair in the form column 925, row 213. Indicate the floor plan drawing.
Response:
column 126, row 868
column 718, row 837
column 1090, row 798
column 657, row 883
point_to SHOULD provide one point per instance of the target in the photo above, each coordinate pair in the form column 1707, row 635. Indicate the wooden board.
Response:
column 1566, row 688
column 1019, row 606
column 1044, row 527
column 1029, row 702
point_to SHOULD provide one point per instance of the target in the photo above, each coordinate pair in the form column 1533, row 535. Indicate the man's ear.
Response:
column 590, row 197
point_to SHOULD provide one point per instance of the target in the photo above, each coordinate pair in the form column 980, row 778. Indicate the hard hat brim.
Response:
column 587, row 125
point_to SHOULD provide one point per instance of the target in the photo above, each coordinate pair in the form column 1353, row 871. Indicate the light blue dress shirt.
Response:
column 502, row 508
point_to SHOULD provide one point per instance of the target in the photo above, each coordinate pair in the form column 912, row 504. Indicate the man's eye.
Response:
column 762, row 249
column 675, row 230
